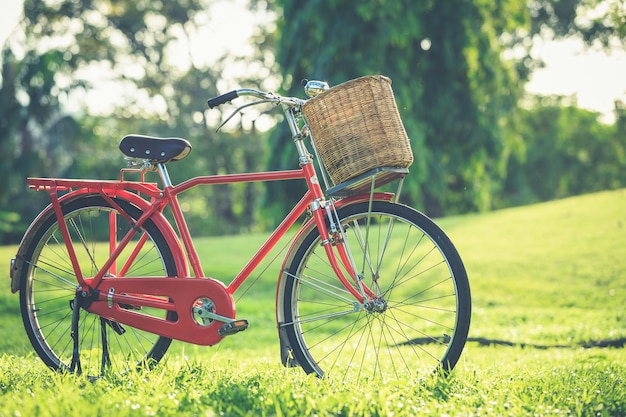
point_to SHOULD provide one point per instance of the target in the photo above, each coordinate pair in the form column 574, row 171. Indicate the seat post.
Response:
column 165, row 176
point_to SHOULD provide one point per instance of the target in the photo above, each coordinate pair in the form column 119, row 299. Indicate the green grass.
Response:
column 547, row 283
column 548, row 274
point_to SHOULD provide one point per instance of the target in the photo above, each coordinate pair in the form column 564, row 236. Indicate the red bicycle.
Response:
column 368, row 288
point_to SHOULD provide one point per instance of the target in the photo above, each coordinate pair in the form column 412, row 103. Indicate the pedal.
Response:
column 233, row 327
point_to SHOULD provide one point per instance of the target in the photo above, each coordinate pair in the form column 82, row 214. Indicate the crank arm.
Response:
column 214, row 316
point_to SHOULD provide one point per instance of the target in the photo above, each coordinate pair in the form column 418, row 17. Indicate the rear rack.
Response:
column 62, row 184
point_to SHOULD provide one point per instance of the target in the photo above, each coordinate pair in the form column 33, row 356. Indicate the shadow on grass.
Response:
column 614, row 343
column 483, row 341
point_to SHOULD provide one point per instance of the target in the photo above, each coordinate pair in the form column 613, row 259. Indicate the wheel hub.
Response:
column 376, row 305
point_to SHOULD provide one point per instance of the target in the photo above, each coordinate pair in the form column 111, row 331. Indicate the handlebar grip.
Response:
column 216, row 101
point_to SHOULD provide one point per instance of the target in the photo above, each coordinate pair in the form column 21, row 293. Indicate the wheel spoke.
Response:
column 332, row 290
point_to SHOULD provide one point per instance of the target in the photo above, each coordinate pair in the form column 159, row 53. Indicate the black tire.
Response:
column 48, row 287
column 421, row 325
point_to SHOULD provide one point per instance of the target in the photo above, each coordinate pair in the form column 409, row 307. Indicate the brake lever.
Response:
column 238, row 109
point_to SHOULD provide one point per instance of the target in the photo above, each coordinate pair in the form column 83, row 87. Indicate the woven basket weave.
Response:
column 356, row 127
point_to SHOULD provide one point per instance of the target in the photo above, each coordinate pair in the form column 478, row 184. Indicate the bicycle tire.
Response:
column 421, row 327
column 48, row 287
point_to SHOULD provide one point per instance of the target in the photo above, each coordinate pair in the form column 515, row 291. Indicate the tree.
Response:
column 568, row 152
column 602, row 21
column 457, row 97
column 597, row 23
column 35, row 135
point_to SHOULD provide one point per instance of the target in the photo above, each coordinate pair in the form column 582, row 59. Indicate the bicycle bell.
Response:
column 313, row 88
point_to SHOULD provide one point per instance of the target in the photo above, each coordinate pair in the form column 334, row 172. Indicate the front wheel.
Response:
column 419, row 320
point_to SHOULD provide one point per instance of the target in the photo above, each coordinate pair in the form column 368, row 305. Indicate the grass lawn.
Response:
column 547, row 335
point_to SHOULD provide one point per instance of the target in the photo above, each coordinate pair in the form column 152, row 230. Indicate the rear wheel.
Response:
column 48, row 288
column 419, row 320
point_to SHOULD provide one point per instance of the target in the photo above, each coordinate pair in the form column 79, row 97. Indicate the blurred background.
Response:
column 506, row 102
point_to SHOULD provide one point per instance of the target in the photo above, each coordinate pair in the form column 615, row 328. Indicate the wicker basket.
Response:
column 356, row 127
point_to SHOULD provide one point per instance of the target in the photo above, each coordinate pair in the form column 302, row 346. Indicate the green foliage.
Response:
column 130, row 44
column 456, row 96
column 568, row 152
column 595, row 21
column 41, row 69
column 35, row 136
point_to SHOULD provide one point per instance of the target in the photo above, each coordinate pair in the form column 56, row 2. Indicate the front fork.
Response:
column 336, row 246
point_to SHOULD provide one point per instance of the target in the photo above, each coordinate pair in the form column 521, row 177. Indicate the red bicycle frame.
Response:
column 159, row 292
column 106, row 292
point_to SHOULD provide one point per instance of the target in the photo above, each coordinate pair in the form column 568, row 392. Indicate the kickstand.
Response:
column 75, row 305
column 106, row 359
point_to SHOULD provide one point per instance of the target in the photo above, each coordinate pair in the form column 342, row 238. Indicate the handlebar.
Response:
column 287, row 102
column 224, row 98
column 263, row 96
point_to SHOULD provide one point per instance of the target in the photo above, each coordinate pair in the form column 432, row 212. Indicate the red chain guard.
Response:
column 127, row 303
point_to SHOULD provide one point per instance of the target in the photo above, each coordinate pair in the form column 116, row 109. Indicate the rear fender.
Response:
column 159, row 220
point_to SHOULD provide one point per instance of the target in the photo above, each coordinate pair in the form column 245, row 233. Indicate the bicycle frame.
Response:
column 102, row 294
column 99, row 287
